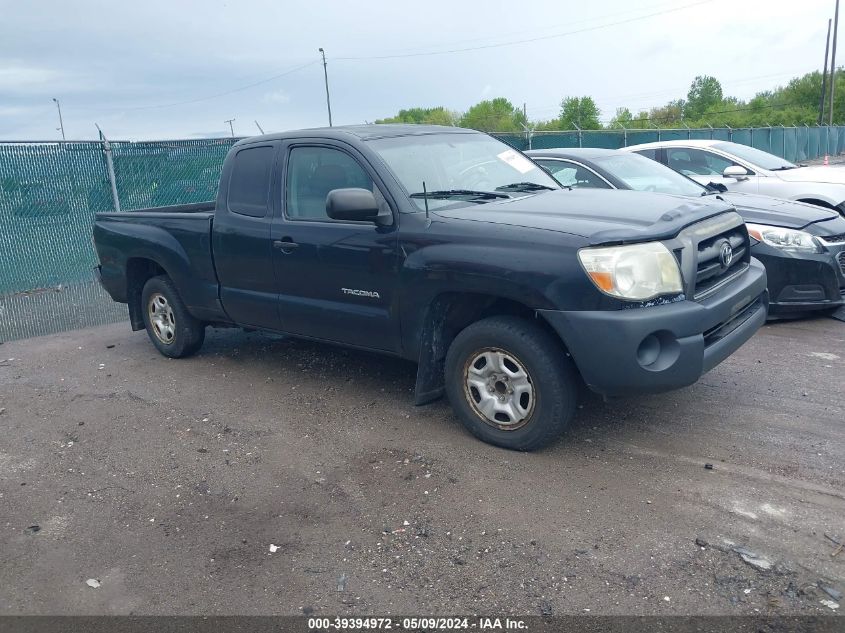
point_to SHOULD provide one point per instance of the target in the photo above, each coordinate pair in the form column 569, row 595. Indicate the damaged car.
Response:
column 801, row 245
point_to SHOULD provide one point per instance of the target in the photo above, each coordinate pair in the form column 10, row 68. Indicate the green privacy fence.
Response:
column 792, row 143
column 49, row 192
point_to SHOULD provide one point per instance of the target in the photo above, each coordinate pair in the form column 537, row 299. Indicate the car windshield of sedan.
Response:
column 756, row 157
column 644, row 174
column 459, row 169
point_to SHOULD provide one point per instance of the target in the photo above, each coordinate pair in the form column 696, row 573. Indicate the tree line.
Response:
column 796, row 103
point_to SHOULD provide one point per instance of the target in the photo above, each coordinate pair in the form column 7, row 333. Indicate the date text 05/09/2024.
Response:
column 417, row 624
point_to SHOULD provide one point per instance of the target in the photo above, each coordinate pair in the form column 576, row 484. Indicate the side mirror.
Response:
column 352, row 204
column 735, row 171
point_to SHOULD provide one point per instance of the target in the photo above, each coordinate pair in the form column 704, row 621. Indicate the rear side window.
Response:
column 572, row 175
column 249, row 184
column 648, row 153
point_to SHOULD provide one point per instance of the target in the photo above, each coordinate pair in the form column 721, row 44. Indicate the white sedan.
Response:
column 743, row 168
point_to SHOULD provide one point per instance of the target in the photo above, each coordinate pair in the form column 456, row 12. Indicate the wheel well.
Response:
column 447, row 315
column 138, row 271
column 817, row 202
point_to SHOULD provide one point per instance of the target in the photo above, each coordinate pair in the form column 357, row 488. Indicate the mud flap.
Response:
column 839, row 314
column 430, row 384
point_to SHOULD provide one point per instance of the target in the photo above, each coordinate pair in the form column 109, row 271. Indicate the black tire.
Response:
column 182, row 334
column 521, row 344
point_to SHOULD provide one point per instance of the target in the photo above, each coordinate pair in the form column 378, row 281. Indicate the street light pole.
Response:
column 231, row 129
column 833, row 60
column 326, row 77
column 61, row 123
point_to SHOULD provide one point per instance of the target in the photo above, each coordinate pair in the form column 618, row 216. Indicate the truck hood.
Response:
column 599, row 215
column 777, row 211
column 816, row 173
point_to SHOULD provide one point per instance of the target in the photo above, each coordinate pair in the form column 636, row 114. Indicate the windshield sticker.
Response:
column 517, row 161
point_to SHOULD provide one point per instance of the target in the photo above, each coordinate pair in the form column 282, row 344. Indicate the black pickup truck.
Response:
column 449, row 248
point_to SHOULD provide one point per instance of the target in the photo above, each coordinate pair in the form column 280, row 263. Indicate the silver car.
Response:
column 747, row 169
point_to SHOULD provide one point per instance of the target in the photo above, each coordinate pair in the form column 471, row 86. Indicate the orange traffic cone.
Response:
column 826, row 160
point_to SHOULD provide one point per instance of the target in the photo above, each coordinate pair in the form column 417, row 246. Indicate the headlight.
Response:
column 785, row 239
column 637, row 271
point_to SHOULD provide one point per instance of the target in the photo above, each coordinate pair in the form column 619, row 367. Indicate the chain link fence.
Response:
column 50, row 191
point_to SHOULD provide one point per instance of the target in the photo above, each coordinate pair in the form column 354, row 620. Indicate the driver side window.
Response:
column 315, row 171
column 696, row 162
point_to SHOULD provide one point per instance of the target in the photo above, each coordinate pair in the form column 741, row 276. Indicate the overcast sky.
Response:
column 179, row 68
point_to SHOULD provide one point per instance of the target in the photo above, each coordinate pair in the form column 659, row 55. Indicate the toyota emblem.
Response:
column 726, row 254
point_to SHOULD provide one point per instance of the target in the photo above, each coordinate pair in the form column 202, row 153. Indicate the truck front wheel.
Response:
column 510, row 383
column 171, row 328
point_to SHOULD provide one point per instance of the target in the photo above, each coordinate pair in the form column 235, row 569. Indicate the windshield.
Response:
column 756, row 157
column 452, row 166
column 643, row 174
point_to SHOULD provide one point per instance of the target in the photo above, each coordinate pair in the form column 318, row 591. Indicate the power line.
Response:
column 209, row 97
column 535, row 29
column 401, row 55
column 526, row 41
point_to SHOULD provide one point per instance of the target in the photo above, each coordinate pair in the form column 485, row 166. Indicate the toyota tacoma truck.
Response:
column 449, row 248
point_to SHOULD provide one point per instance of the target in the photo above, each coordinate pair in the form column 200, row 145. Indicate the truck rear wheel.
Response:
column 510, row 383
column 171, row 328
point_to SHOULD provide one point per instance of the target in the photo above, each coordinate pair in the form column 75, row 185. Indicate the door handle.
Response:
column 285, row 245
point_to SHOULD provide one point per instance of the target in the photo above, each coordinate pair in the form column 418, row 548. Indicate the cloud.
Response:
column 18, row 76
column 164, row 69
column 14, row 110
column 279, row 96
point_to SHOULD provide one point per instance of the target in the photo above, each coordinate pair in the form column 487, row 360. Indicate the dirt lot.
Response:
column 168, row 481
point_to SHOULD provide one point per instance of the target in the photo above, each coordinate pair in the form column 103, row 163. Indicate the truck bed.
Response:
column 194, row 207
column 177, row 237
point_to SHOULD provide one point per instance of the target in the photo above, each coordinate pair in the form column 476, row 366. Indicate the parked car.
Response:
column 750, row 170
column 446, row 247
column 802, row 246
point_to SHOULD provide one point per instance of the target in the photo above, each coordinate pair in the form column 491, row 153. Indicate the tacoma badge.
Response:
column 361, row 293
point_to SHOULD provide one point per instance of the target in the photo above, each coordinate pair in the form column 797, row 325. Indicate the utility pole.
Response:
column 61, row 123
column 326, row 77
column 231, row 129
column 260, row 129
column 824, row 76
column 833, row 60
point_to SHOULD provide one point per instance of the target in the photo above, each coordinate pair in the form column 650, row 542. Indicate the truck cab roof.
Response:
column 360, row 132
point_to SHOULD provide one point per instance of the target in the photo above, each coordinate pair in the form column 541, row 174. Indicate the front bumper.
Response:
column 801, row 282
column 659, row 348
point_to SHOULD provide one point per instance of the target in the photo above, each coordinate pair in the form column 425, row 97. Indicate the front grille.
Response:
column 841, row 259
column 833, row 239
column 711, row 267
column 720, row 331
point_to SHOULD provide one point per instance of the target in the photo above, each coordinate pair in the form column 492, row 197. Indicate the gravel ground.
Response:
column 272, row 476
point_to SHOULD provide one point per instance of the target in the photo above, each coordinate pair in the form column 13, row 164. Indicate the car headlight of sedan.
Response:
column 784, row 239
column 636, row 272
